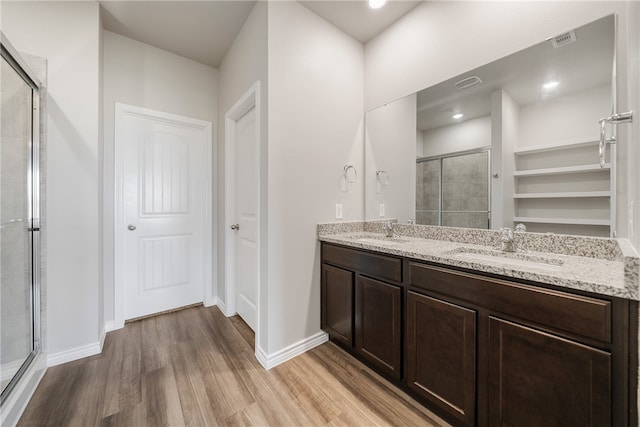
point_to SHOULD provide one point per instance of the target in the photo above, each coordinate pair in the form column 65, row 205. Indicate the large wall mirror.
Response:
column 512, row 141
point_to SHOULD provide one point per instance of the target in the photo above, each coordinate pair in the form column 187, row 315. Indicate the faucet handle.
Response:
column 507, row 234
column 388, row 228
column 520, row 227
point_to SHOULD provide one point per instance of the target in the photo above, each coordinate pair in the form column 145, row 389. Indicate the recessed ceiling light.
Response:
column 457, row 116
column 376, row 4
column 550, row 84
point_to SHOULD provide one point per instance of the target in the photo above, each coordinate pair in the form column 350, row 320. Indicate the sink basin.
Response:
column 376, row 240
column 508, row 259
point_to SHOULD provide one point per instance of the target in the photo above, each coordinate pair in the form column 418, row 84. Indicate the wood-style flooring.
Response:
column 196, row 367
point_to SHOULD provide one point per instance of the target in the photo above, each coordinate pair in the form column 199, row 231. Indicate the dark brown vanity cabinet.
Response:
column 361, row 306
column 492, row 352
column 536, row 379
column 485, row 351
column 378, row 324
column 337, row 304
column 441, row 355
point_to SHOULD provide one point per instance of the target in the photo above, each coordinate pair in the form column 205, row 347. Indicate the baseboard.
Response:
column 223, row 307
column 103, row 335
column 16, row 403
column 109, row 326
column 74, row 354
column 269, row 361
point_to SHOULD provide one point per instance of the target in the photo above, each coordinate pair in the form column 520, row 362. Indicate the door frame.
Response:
column 251, row 99
column 121, row 111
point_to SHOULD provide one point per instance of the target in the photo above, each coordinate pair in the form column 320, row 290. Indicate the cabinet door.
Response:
column 538, row 379
column 378, row 329
column 337, row 304
column 441, row 355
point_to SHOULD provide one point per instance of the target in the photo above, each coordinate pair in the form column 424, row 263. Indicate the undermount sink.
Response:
column 381, row 239
column 508, row 259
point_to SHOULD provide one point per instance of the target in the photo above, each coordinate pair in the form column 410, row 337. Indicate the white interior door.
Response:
column 246, row 209
column 163, row 214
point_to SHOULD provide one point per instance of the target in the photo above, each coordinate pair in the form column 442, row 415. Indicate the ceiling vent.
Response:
column 468, row 82
column 563, row 39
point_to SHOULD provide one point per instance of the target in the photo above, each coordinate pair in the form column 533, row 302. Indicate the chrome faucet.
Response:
column 388, row 229
column 508, row 238
column 507, row 243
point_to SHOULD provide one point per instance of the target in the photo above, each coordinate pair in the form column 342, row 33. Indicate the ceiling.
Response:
column 199, row 30
column 203, row 30
column 357, row 19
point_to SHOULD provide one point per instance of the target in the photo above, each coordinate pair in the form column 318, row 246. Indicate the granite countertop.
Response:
column 599, row 265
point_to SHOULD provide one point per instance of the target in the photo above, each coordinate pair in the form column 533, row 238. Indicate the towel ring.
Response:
column 350, row 174
column 382, row 177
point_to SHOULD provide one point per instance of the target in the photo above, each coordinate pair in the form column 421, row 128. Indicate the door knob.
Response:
column 235, row 227
column 131, row 227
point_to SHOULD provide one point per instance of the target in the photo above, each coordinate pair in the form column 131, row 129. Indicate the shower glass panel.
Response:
column 465, row 190
column 18, row 202
column 453, row 190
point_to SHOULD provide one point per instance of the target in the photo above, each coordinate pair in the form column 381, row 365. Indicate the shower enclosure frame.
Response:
column 16, row 62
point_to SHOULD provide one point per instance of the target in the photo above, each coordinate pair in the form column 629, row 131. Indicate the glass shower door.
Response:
column 453, row 190
column 18, row 224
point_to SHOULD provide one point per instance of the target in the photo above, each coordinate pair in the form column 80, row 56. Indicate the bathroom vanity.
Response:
column 485, row 338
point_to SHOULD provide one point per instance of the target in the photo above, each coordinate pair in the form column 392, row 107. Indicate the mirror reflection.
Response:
column 513, row 141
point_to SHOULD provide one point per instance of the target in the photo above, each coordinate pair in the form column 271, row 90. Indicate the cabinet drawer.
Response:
column 380, row 266
column 579, row 315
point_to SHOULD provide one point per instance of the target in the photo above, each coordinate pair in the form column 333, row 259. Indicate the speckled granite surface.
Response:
column 604, row 266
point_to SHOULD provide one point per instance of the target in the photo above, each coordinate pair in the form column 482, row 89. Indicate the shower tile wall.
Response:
column 465, row 191
column 465, row 188
column 15, row 275
column 428, row 192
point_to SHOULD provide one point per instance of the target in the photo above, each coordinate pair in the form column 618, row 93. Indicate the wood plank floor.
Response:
column 196, row 367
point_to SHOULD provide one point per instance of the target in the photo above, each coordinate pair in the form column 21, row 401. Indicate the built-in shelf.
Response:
column 573, row 221
column 563, row 170
column 563, row 195
column 540, row 167
column 555, row 147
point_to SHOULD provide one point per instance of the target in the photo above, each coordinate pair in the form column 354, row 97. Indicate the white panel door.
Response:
column 163, row 215
column 246, row 208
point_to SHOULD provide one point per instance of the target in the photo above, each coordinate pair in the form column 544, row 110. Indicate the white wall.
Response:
column 504, row 133
column 390, row 145
column 67, row 35
column 633, row 130
column 470, row 134
column 243, row 65
column 441, row 39
column 566, row 119
column 315, row 128
column 142, row 75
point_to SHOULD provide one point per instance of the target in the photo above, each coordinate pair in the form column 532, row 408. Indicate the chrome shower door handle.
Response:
column 615, row 119
column 131, row 227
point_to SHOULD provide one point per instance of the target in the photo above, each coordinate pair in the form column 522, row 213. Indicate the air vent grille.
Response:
column 468, row 82
column 563, row 39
